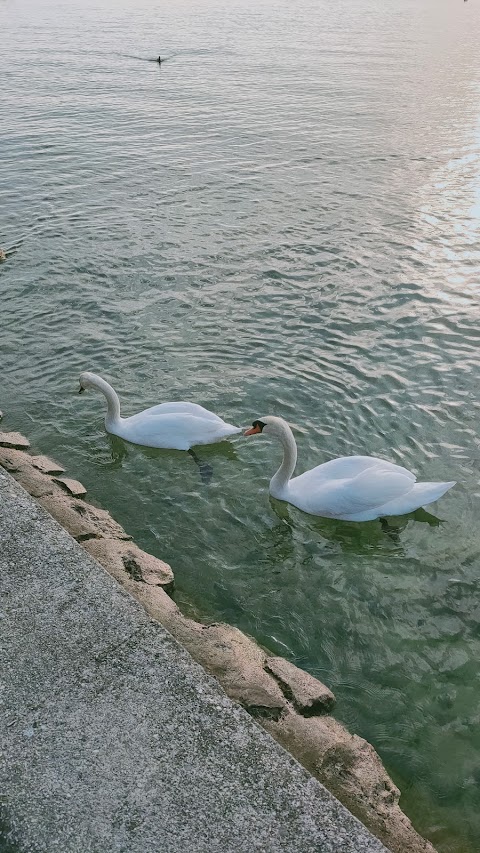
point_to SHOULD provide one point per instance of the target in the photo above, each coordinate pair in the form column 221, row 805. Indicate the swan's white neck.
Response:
column 112, row 418
column 280, row 480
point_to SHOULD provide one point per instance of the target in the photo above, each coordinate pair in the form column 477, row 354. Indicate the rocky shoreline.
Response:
column 290, row 704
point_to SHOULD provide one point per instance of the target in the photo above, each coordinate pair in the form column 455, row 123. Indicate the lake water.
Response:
column 282, row 219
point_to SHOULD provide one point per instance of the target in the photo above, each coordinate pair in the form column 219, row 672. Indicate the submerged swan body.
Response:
column 175, row 426
column 352, row 488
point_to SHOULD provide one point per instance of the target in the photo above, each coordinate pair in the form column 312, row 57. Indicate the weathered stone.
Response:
column 230, row 656
column 73, row 487
column 351, row 769
column 36, row 484
column 83, row 521
column 12, row 459
column 237, row 662
column 308, row 695
column 154, row 571
column 157, row 603
column 20, row 464
column 62, row 509
column 13, row 439
column 125, row 559
column 101, row 519
column 46, row 465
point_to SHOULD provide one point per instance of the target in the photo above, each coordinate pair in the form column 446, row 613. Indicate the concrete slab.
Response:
column 113, row 740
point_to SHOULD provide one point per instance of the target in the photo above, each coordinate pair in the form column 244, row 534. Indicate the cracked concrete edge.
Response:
column 286, row 701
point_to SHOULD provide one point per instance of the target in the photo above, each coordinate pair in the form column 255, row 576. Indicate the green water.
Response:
column 282, row 219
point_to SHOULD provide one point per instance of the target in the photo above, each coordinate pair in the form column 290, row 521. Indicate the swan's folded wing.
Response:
column 347, row 467
column 180, row 407
column 373, row 487
column 175, row 430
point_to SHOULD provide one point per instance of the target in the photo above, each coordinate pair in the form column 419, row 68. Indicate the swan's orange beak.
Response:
column 252, row 431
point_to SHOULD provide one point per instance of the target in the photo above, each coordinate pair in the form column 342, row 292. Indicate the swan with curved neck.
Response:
column 176, row 426
column 352, row 488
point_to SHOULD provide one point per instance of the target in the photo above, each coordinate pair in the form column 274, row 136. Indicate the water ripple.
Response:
column 282, row 218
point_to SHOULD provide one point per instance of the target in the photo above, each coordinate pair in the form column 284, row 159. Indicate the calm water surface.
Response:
column 282, row 219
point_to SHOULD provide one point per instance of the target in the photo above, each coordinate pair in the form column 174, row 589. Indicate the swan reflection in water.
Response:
column 120, row 450
column 365, row 538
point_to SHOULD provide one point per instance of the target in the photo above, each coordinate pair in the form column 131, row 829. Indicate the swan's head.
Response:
column 269, row 425
column 86, row 381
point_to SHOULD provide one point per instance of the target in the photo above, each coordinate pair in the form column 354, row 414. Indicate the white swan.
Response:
column 176, row 426
column 352, row 488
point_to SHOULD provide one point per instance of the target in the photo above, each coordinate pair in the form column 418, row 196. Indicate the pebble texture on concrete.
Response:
column 113, row 739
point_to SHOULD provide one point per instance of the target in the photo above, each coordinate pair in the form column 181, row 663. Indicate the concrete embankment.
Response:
column 114, row 739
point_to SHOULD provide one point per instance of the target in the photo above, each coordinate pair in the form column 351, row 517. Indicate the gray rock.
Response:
column 20, row 463
column 37, row 484
column 237, row 662
column 46, row 465
column 122, row 558
column 308, row 695
column 11, row 459
column 14, row 440
column 73, row 487
column 82, row 520
column 352, row 770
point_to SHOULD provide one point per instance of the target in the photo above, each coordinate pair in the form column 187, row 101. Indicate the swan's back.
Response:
column 175, row 430
column 346, row 467
column 180, row 408
column 349, row 485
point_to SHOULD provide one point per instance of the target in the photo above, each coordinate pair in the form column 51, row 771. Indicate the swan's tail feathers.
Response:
column 430, row 492
column 421, row 494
